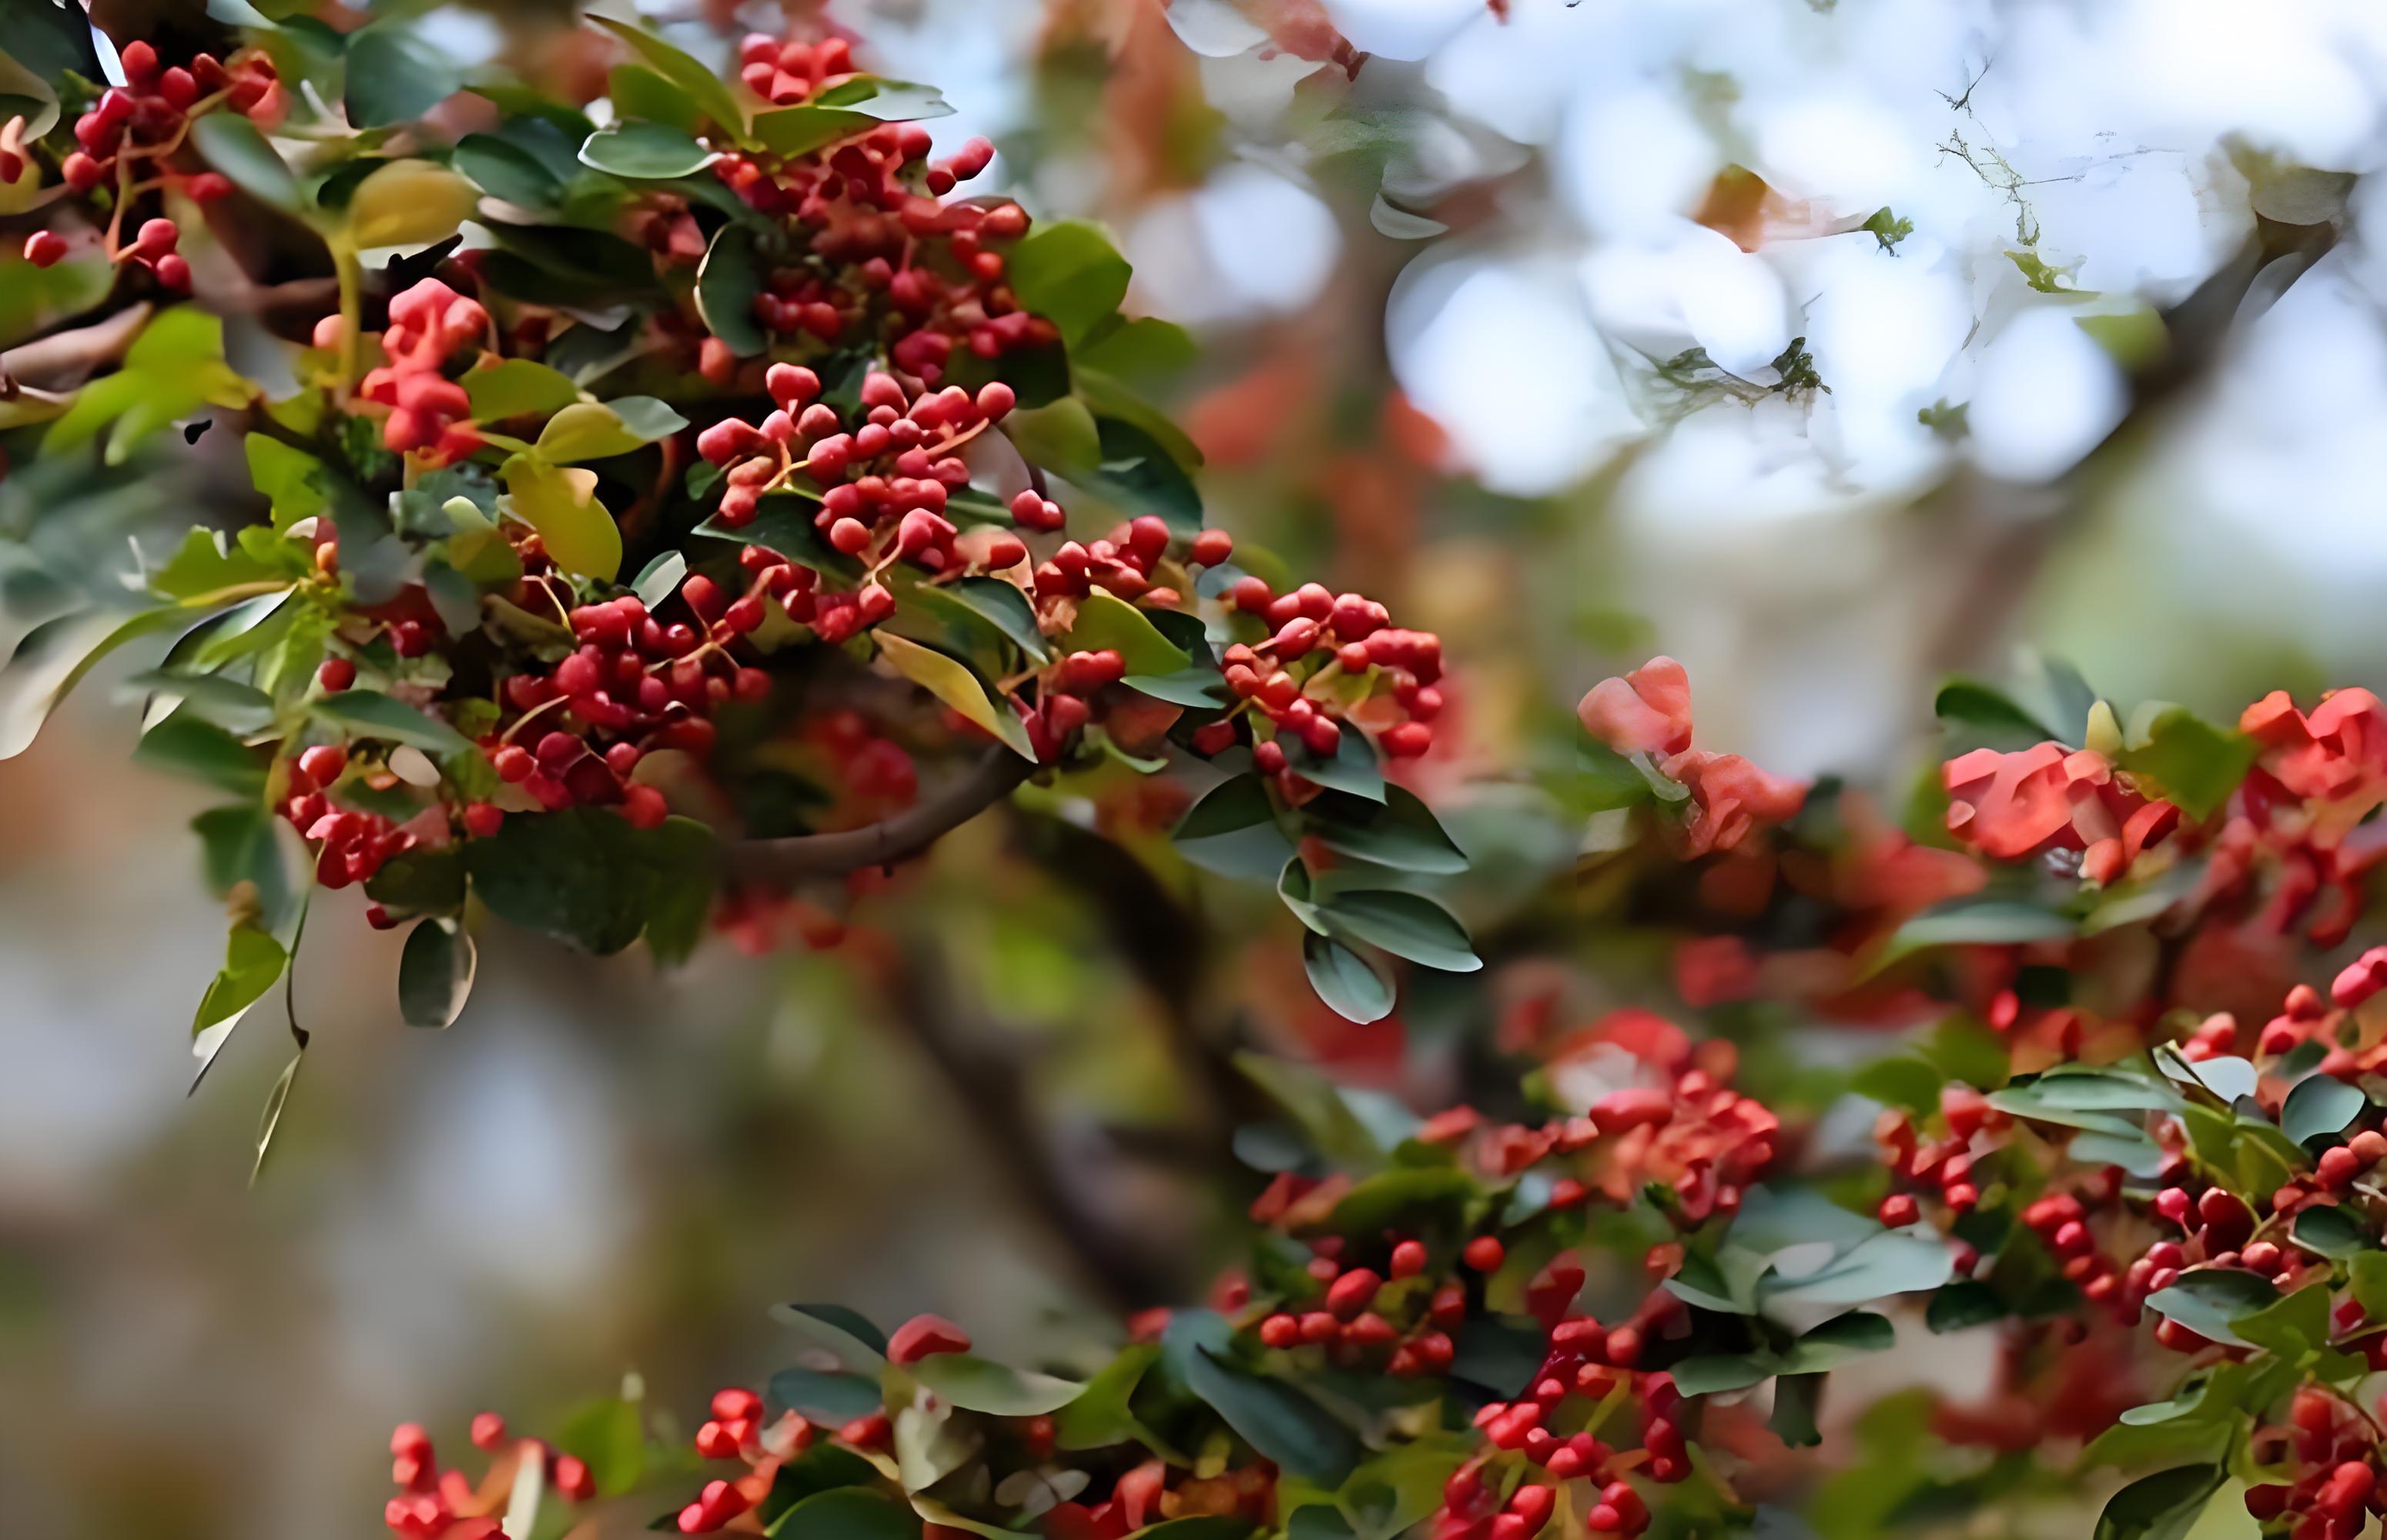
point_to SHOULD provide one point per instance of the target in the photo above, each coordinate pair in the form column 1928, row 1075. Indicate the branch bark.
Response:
column 890, row 840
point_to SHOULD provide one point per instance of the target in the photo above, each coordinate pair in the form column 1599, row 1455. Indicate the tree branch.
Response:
column 890, row 840
column 993, row 1087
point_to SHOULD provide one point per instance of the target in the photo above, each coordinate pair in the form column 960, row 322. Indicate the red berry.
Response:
column 323, row 762
column 44, row 248
column 484, row 819
column 923, row 1335
column 337, row 675
column 644, row 807
column 1484, row 1252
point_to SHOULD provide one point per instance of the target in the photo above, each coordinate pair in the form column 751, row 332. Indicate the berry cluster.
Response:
column 2333, row 1447
column 1945, row 1165
column 884, row 260
column 637, row 683
column 130, row 136
column 885, row 485
column 433, row 1504
column 351, row 845
column 428, row 412
column 1648, row 713
column 1328, row 658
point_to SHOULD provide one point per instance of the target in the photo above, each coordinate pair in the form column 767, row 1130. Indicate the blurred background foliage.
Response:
column 1827, row 347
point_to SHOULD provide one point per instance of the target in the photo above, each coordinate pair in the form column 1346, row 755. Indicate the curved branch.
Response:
column 890, row 840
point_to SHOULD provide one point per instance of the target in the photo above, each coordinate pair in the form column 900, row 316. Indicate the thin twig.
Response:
column 892, row 839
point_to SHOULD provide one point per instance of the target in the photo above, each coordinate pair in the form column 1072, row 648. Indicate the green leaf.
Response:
column 1352, row 768
column 847, row 1336
column 517, row 388
column 2319, row 1106
column 1901, row 1081
column 639, row 92
column 2206, row 1300
column 982, row 1385
column 1099, row 1414
column 2079, row 1089
column 434, row 972
column 1198, row 1526
column 562, row 504
column 1797, row 1398
column 1326, row 1116
column 691, row 74
column 242, row 844
column 504, row 166
column 56, row 655
column 827, row 1397
column 1400, row 833
column 605, row 1436
column 1108, row 623
column 951, row 681
column 2330, row 1232
column 1060, row 435
column 186, row 744
column 783, row 522
column 370, row 713
column 1405, row 926
column 253, row 962
column 1139, row 472
column 585, row 875
column 1887, row 1263
column 393, row 77
column 1068, row 272
column 1005, row 607
column 1840, row 1340
column 644, row 152
column 233, row 145
column 847, row 1514
column 1404, row 1198
column 1975, row 715
column 1144, row 349
column 1282, row 1423
column 1713, row 1373
column 297, row 483
column 660, row 580
column 599, row 430
column 2290, row 1327
column 1233, row 832
column 2161, row 1507
column 848, row 107
column 2189, row 761
column 1964, row 1303
column 205, row 562
column 227, row 703
column 1197, row 688
column 1975, row 922
column 2367, row 1275
column 276, row 1101
column 728, row 284
column 1354, row 987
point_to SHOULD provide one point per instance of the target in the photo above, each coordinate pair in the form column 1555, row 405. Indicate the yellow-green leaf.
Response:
column 408, row 202
column 951, row 681
column 561, row 503
column 599, row 430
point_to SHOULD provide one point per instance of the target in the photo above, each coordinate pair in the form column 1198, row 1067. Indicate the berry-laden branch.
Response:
column 1621, row 1308
column 517, row 637
column 900, row 838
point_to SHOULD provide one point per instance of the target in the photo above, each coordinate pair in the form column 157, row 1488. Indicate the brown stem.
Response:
column 890, row 840
column 63, row 359
column 993, row 1087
